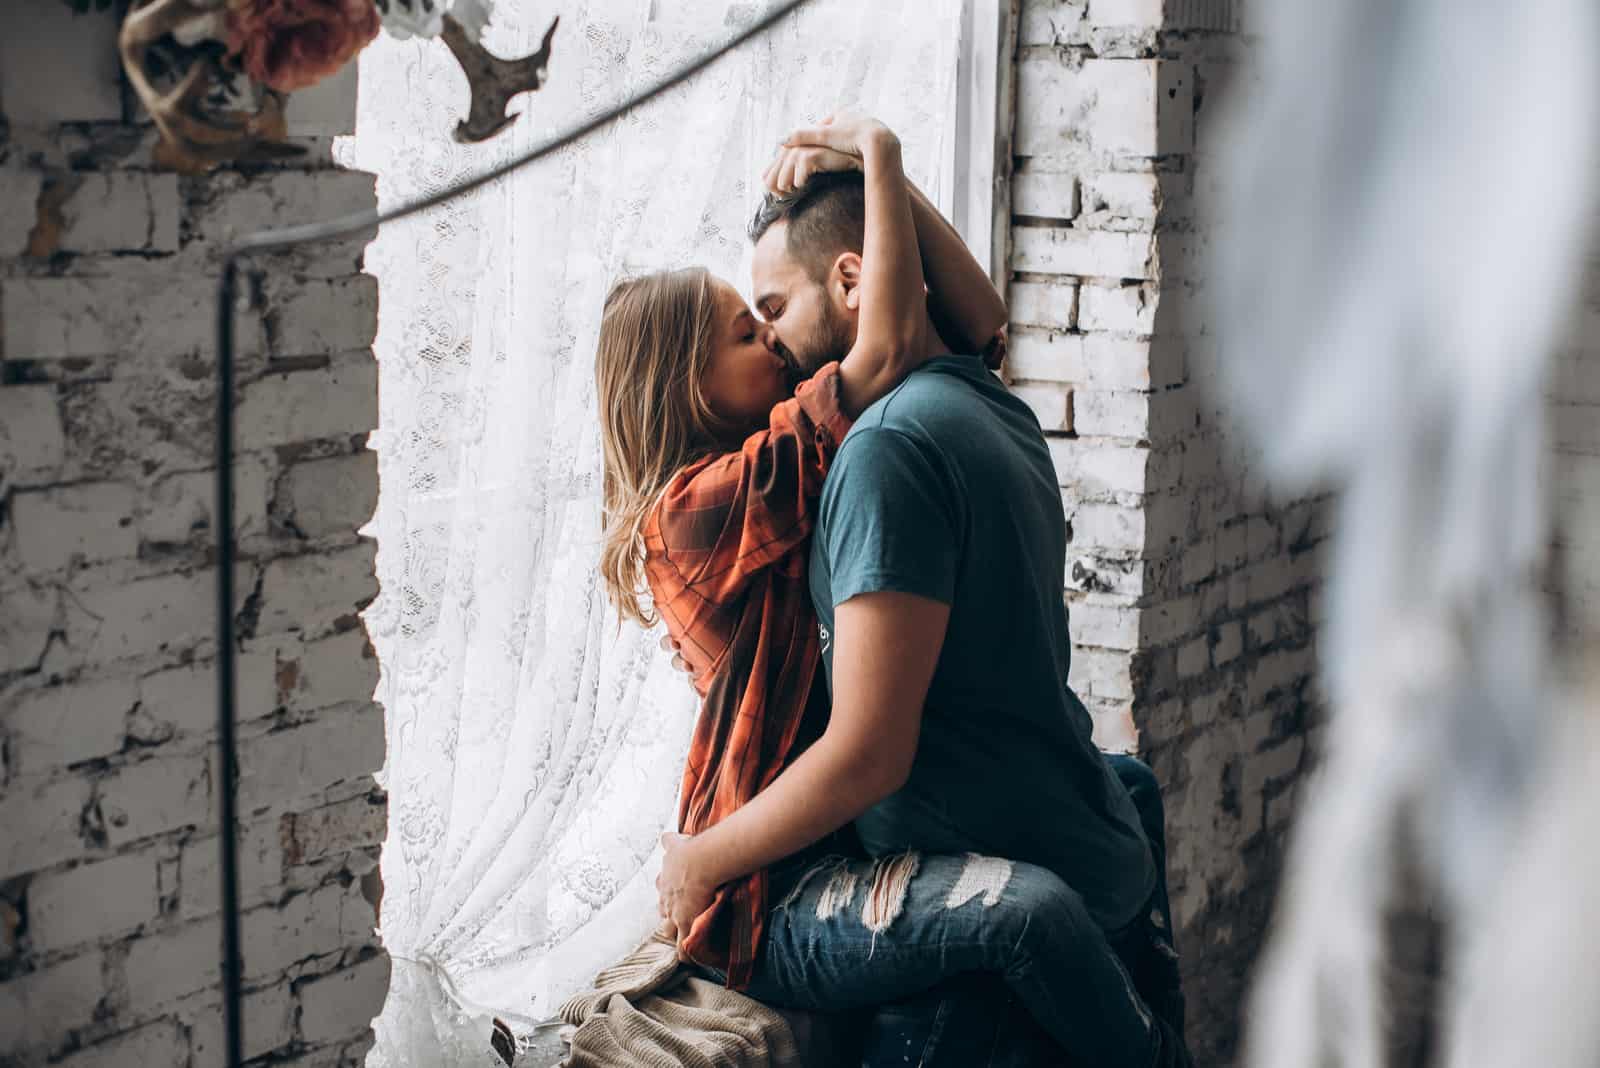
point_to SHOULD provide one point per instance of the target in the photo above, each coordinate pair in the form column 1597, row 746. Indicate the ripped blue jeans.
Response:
column 855, row 933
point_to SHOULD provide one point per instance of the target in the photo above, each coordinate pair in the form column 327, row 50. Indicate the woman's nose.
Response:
column 769, row 337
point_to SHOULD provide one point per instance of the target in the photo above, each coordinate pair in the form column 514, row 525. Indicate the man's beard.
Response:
column 829, row 340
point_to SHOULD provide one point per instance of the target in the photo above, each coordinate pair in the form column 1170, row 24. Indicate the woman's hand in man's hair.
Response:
column 794, row 166
column 845, row 131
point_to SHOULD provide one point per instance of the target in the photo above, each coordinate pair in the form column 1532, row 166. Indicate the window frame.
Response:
column 978, row 159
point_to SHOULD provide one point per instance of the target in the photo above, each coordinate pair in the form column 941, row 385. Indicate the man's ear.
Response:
column 846, row 275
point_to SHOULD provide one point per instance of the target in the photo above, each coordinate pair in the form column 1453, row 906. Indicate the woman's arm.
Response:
column 888, row 293
column 963, row 302
column 962, row 298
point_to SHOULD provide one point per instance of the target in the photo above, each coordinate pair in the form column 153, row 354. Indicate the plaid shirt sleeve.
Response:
column 724, row 519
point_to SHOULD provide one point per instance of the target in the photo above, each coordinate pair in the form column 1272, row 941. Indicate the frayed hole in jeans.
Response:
column 988, row 876
column 838, row 894
column 891, row 880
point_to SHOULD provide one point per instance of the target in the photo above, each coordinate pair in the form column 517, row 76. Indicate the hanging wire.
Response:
column 283, row 238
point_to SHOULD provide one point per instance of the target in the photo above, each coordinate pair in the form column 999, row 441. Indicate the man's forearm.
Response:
column 820, row 792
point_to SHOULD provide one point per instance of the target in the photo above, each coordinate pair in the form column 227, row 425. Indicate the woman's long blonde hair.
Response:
column 655, row 342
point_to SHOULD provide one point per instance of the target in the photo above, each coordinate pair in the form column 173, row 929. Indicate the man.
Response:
column 936, row 573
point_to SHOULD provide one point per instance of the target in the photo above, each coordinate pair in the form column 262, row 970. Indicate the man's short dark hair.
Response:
column 825, row 218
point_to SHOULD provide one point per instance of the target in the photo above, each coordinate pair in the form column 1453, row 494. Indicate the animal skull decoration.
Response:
column 492, row 81
column 195, row 135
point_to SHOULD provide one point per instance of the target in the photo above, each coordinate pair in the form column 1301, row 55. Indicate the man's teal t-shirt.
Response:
column 945, row 489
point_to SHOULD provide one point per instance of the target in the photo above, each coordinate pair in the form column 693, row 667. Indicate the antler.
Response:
column 493, row 81
column 194, row 139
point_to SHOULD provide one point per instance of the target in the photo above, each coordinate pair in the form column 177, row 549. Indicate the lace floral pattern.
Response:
column 535, row 743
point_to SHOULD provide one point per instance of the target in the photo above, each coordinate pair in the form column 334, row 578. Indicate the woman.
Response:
column 701, row 422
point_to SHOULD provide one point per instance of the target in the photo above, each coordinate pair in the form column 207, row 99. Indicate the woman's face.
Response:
column 745, row 376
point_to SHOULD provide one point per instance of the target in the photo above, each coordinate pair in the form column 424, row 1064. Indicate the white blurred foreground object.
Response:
column 1400, row 170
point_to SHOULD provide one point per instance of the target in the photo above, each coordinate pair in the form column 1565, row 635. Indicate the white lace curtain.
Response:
column 535, row 745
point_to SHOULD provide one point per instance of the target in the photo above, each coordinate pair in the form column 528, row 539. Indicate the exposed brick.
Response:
column 1121, row 195
column 1107, row 106
column 311, row 592
column 1098, row 468
column 1116, row 363
column 343, row 743
column 66, row 524
column 1084, row 253
column 1118, row 309
column 1045, row 195
column 1046, row 356
column 1230, row 643
column 32, row 444
column 331, row 830
column 331, row 671
column 261, row 864
column 332, row 496
column 18, row 187
column 1103, row 673
column 47, row 37
column 233, row 205
column 320, row 315
column 1194, row 658
column 306, row 925
column 169, row 965
column 159, row 1043
column 1052, row 405
column 1112, row 413
column 40, row 1006
column 1110, row 626
column 182, row 506
column 1046, row 22
column 159, row 794
column 185, row 698
column 148, row 615
column 1126, row 12
column 343, row 1003
column 125, row 313
column 42, row 822
column 337, row 401
column 92, row 901
column 1048, row 304
column 1199, row 562
column 1108, row 526
column 121, row 211
column 60, row 725
column 268, row 1018
column 27, row 613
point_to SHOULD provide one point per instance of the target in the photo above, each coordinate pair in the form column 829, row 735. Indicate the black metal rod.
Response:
column 227, row 292
column 227, row 775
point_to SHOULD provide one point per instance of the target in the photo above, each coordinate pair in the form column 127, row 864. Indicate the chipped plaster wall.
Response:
column 109, row 888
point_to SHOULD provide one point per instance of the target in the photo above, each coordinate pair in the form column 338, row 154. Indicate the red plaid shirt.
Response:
column 725, row 559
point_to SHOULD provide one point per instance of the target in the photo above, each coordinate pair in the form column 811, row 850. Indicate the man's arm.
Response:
column 886, row 646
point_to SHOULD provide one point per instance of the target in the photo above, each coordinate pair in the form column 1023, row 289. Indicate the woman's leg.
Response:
column 848, row 934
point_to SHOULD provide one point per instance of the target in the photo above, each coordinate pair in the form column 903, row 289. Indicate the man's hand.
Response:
column 685, row 891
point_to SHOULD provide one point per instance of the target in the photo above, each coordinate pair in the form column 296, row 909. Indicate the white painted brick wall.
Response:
column 109, row 883
column 1191, row 601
